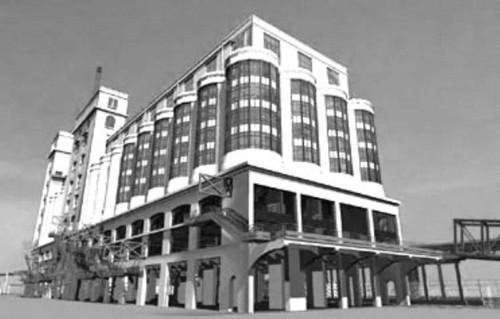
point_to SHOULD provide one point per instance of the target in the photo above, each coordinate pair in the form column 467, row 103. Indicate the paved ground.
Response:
column 23, row 308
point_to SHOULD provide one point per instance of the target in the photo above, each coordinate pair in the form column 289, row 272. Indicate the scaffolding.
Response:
column 80, row 254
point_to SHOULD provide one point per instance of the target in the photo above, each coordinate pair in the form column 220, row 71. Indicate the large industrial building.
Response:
column 252, row 182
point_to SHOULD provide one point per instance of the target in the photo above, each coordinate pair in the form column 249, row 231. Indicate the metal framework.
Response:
column 214, row 185
column 476, row 238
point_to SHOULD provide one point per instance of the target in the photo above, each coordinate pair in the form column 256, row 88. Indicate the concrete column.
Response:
column 406, row 290
column 276, row 285
column 112, row 185
column 375, row 283
column 102, row 184
column 164, row 282
column 142, row 287
column 190, row 285
column 371, row 226
column 297, row 300
column 298, row 206
column 341, row 283
column 338, row 219
column 250, row 291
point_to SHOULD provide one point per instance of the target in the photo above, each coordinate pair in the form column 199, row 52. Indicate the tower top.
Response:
column 97, row 79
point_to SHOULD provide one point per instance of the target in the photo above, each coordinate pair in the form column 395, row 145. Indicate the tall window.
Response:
column 188, row 84
column 333, row 76
column 180, row 148
column 272, row 44
column 180, row 214
column 305, row 61
column 367, row 145
column 159, row 161
column 274, row 206
column 304, row 122
column 110, row 122
column 112, row 103
column 126, row 173
column 211, row 65
column 142, row 164
column 206, row 125
column 339, row 149
column 318, row 215
column 385, row 226
column 243, row 39
column 253, row 107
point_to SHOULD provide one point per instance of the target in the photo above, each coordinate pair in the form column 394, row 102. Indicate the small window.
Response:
column 305, row 62
column 333, row 76
column 157, row 221
column 121, row 232
column 188, row 84
column 243, row 39
column 211, row 65
column 110, row 122
column 272, row 44
column 180, row 214
column 137, row 227
column 112, row 103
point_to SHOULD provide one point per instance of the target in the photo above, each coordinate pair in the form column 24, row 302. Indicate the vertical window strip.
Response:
column 125, row 180
column 251, row 103
column 304, row 131
column 205, row 133
column 338, row 163
column 371, row 170
column 180, row 148
column 143, row 159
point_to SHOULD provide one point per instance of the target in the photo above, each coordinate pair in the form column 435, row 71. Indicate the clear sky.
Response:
column 431, row 69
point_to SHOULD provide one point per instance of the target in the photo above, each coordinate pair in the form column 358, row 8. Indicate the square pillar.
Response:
column 250, row 291
column 190, row 298
column 375, row 281
column 338, row 220
column 298, row 209
column 276, row 285
column 371, row 226
column 297, row 297
column 163, row 291
column 341, row 283
column 141, row 288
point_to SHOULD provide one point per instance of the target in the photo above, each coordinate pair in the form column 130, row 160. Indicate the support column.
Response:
column 338, row 220
column 297, row 300
column 424, row 280
column 371, row 226
column 251, row 291
column 190, row 288
column 163, row 291
column 298, row 206
column 459, row 282
column 406, row 289
column 142, row 288
column 375, row 281
column 441, row 280
column 341, row 283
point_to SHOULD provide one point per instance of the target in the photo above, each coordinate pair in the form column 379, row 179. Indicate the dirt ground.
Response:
column 21, row 308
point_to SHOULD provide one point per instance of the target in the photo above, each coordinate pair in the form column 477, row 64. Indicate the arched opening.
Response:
column 110, row 122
